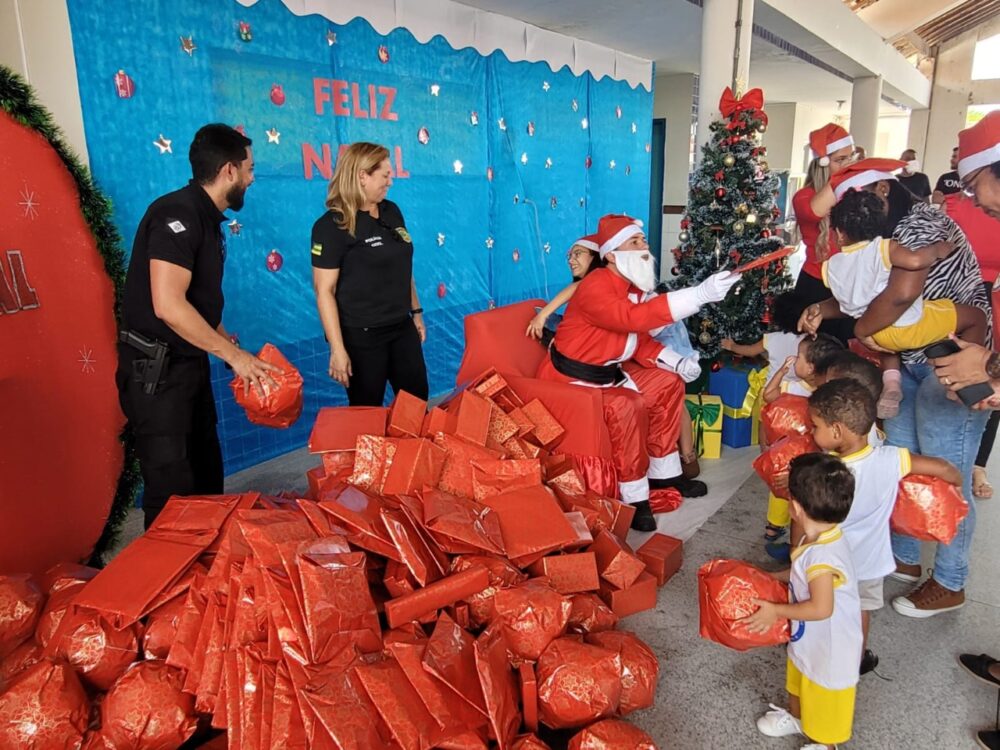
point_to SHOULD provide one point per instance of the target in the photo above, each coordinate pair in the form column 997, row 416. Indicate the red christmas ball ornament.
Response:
column 765, row 233
column 766, row 317
column 720, row 192
column 685, row 223
column 277, row 94
column 720, row 175
column 442, row 290
column 274, row 261
column 716, row 366
column 588, row 162
column 735, row 255
column 675, row 270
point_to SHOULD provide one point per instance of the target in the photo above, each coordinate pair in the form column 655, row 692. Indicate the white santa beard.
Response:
column 640, row 271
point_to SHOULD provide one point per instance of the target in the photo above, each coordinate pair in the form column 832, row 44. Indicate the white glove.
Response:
column 687, row 367
column 686, row 302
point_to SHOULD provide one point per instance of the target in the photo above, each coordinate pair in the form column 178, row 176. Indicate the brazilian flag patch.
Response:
column 317, row 248
column 404, row 235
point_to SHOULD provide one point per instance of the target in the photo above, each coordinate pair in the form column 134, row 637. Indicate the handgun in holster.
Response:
column 150, row 370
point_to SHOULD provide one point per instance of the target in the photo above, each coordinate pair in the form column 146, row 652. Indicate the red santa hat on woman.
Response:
column 979, row 146
column 589, row 242
column 613, row 230
column 865, row 172
column 829, row 138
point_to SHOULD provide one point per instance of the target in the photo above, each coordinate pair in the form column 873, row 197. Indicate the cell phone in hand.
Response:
column 941, row 349
column 971, row 394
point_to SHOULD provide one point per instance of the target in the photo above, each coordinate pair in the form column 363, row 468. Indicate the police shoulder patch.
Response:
column 317, row 248
column 404, row 235
column 176, row 226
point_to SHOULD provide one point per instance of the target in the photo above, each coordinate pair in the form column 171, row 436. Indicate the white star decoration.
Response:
column 29, row 203
column 524, row 157
column 87, row 360
column 435, row 89
column 584, row 123
column 548, row 162
column 547, row 247
column 440, row 239
column 457, row 166
column 331, row 38
column 163, row 144
column 234, row 226
column 545, row 86
column 612, row 164
column 273, row 136
column 489, row 243
column 502, row 124
column 634, row 127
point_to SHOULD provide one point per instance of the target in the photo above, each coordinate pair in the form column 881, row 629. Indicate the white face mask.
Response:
column 637, row 267
column 913, row 166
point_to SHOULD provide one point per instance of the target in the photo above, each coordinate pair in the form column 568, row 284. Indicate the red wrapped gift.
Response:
column 493, row 477
column 497, row 682
column 786, row 416
column 524, row 425
column 772, row 465
column 638, row 597
column 616, row 562
column 459, row 525
column 278, row 406
column 160, row 630
column 406, row 415
column 61, row 575
column 502, row 575
column 612, row 734
column 337, row 466
column 569, row 574
column 578, row 521
column 546, row 430
column 435, row 421
column 590, row 615
column 456, row 477
column 18, row 660
column 398, row 580
column 55, row 609
column 416, row 463
column 469, row 417
column 337, row 427
column 577, row 683
column 450, row 656
column 502, row 428
column 640, row 668
column 561, row 473
column 146, row 709
column 532, row 523
column 529, row 742
column 425, row 562
column 600, row 512
column 410, row 723
column 373, row 454
column 532, row 614
column 360, row 513
column 20, row 607
column 726, row 590
column 663, row 556
column 44, row 707
column 491, row 385
column 928, row 508
column 436, row 595
column 665, row 500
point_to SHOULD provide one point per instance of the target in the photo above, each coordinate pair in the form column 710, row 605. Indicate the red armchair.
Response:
column 495, row 338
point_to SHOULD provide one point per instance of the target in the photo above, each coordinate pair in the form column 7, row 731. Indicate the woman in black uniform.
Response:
column 362, row 259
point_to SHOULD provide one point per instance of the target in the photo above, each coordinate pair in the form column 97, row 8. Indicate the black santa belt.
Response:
column 596, row 374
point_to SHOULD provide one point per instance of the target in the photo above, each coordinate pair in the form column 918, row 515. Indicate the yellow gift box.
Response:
column 706, row 424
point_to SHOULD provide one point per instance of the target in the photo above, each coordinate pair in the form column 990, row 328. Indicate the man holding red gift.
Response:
column 604, row 342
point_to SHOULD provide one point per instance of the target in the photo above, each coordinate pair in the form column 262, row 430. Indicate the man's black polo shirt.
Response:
column 183, row 228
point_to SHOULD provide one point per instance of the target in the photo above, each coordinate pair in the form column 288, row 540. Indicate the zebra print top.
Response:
column 956, row 277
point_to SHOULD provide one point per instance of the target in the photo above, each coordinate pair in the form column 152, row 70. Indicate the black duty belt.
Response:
column 597, row 374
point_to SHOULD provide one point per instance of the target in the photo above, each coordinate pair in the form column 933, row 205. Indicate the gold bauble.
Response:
column 742, row 208
column 738, row 227
column 705, row 337
column 751, row 218
column 729, row 160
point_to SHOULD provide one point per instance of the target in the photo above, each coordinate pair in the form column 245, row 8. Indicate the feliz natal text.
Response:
column 342, row 98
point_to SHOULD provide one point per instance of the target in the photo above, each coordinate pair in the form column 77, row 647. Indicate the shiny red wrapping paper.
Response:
column 373, row 455
column 502, row 575
column 469, row 417
column 529, row 742
column 406, row 415
column 726, row 590
column 457, row 474
column 337, row 427
column 532, row 615
column 61, row 575
column 665, row 500
column 44, row 708
column 450, row 656
column 415, row 464
column 640, row 668
column 588, row 614
column 546, row 430
column 497, row 681
column 569, row 574
column 529, row 695
column 494, row 477
column 663, row 556
column 928, row 508
column 147, row 710
column 577, row 683
column 360, row 513
column 278, row 406
column 787, row 415
column 99, row 652
column 561, row 474
column 422, row 558
column 435, row 421
column 532, row 523
column 460, row 525
column 18, row 660
column 160, row 631
column 432, row 597
column 21, row 602
column 410, row 723
column 55, row 609
column 772, row 464
column 502, row 428
column 612, row 734
column 616, row 562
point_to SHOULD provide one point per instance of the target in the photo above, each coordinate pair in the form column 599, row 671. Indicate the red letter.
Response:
column 390, row 97
column 310, row 159
column 372, row 108
column 400, row 172
column 16, row 294
column 356, row 98
column 340, row 99
column 319, row 96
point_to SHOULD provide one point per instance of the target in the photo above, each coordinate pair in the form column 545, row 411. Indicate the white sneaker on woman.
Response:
column 778, row 723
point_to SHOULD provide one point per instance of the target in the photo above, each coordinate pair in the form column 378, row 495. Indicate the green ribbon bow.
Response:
column 701, row 415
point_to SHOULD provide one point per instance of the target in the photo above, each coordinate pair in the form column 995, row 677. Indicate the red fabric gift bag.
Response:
column 278, row 406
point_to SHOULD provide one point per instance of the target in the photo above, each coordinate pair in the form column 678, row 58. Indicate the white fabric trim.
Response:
column 619, row 237
column 462, row 27
column 860, row 180
column 635, row 491
column 590, row 245
column 839, row 144
column 972, row 162
column 665, row 467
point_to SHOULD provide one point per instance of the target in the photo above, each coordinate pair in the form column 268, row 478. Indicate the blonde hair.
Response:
column 817, row 178
column 344, row 194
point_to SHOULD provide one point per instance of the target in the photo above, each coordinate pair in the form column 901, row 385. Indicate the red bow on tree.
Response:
column 730, row 105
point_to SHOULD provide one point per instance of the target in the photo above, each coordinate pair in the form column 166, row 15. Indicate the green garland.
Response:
column 18, row 101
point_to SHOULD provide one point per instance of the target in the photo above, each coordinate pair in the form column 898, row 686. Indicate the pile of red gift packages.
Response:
column 449, row 583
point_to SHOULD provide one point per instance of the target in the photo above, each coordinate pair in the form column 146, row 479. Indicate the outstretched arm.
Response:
column 538, row 322
column 744, row 350
column 935, row 467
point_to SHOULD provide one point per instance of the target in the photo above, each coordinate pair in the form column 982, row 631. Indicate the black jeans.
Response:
column 384, row 354
column 174, row 430
column 990, row 435
column 812, row 290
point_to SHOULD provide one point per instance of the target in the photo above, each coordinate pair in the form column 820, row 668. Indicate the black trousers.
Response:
column 812, row 290
column 386, row 354
column 990, row 435
column 174, row 430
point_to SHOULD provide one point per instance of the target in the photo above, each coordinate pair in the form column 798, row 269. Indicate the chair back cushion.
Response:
column 495, row 338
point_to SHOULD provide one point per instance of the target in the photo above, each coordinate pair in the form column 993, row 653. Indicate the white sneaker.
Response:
column 814, row 746
column 778, row 723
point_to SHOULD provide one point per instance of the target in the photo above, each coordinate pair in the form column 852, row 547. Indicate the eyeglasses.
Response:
column 969, row 184
column 581, row 253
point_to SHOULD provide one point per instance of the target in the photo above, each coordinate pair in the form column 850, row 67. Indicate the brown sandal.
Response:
column 981, row 487
column 689, row 465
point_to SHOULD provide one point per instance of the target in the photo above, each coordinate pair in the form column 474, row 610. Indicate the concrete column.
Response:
column 782, row 150
column 866, row 98
column 673, row 99
column 949, row 102
column 721, row 45
column 917, row 134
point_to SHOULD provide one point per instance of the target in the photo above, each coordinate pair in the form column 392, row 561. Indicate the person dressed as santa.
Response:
column 604, row 342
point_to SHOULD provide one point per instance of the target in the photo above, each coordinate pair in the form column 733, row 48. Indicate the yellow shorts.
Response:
column 827, row 715
column 777, row 511
column 939, row 319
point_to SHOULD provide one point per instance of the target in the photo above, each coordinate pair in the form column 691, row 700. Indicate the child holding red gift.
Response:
column 826, row 624
column 781, row 343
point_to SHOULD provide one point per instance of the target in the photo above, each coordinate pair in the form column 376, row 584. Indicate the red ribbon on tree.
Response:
column 730, row 105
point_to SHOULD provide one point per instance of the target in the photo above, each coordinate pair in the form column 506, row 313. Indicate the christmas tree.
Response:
column 730, row 222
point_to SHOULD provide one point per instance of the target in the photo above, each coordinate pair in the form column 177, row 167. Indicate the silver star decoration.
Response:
column 489, row 243
column 575, row 105
column 545, row 86
column 582, row 202
column 440, row 240
column 524, row 157
column 584, row 124
column 87, row 360
column 435, row 89
column 612, row 164
column 647, row 148
column 29, row 203
column 548, row 162
column 474, row 117
column 517, row 198
column 331, row 38
column 163, row 144
column 273, row 136
column 547, row 247
column 234, row 227
column 634, row 127
column 628, row 169
column 457, row 166
column 502, row 123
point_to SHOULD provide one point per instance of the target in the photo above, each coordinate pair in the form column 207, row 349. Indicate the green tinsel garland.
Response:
column 18, row 101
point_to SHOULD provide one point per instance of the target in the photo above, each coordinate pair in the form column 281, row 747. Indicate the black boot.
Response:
column 869, row 661
column 643, row 519
column 687, row 487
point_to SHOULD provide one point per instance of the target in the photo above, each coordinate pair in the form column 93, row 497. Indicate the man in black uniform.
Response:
column 172, row 320
column 949, row 182
column 912, row 178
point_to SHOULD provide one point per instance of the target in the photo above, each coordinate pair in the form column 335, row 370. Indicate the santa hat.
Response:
column 979, row 146
column 865, row 172
column 614, row 229
column 589, row 242
column 829, row 138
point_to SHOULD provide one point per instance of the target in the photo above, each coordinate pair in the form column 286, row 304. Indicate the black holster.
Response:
column 150, row 369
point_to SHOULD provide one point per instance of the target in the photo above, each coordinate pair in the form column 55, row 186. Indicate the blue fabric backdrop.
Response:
column 492, row 208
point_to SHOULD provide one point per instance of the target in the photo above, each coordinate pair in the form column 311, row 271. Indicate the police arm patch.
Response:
column 317, row 248
column 176, row 226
